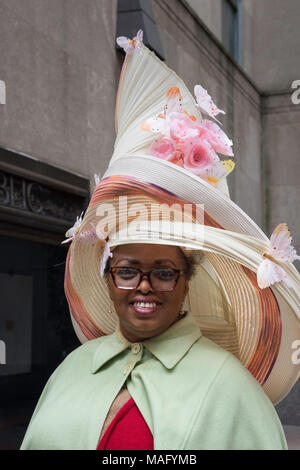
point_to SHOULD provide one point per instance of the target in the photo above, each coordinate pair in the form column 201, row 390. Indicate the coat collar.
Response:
column 169, row 347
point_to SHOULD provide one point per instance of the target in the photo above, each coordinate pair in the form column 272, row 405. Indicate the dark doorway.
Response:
column 35, row 329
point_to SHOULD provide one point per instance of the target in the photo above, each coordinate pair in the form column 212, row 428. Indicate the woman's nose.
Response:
column 144, row 286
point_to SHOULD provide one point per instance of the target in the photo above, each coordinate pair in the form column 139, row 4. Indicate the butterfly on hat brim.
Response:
column 218, row 171
column 281, row 251
column 74, row 230
column 90, row 237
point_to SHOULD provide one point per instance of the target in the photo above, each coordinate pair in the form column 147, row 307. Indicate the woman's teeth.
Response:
column 145, row 304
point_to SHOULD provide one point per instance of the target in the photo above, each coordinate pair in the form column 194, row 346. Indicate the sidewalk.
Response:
column 292, row 434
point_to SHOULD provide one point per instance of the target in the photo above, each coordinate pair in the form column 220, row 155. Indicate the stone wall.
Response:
column 210, row 12
column 61, row 70
column 273, row 39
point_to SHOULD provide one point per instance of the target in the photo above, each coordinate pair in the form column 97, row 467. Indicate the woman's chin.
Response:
column 142, row 326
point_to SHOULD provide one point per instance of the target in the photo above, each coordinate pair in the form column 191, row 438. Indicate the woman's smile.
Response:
column 145, row 306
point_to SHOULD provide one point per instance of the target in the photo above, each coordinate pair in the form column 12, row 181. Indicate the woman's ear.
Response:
column 110, row 294
column 185, row 292
column 108, row 286
column 186, row 289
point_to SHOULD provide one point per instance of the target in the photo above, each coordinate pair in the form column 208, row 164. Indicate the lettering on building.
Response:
column 31, row 197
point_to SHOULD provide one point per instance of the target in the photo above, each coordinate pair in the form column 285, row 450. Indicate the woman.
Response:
column 153, row 355
column 186, row 344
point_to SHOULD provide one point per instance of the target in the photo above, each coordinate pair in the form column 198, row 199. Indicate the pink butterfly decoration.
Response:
column 131, row 45
column 205, row 103
column 216, row 137
column 89, row 237
column 281, row 250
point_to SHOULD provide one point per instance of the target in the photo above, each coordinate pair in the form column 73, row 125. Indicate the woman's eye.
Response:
column 165, row 274
column 126, row 272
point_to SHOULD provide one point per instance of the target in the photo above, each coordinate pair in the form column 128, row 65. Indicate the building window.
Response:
column 138, row 14
column 232, row 28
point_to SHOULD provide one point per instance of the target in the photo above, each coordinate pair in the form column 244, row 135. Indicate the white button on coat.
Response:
column 135, row 348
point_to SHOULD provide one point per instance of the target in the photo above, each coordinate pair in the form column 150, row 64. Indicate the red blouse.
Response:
column 127, row 431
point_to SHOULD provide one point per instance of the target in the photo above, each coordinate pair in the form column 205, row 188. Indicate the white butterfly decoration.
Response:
column 217, row 171
column 72, row 232
column 205, row 103
column 281, row 250
column 97, row 178
column 90, row 237
column 164, row 122
column 131, row 45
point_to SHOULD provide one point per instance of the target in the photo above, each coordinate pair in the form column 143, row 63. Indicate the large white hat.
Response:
column 245, row 294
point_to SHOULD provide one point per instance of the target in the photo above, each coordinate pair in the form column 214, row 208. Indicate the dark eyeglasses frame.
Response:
column 143, row 274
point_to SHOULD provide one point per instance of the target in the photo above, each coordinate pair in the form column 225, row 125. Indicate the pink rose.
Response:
column 219, row 141
column 199, row 156
column 163, row 148
column 181, row 126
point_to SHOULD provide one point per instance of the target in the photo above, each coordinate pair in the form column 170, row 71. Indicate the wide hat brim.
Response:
column 259, row 326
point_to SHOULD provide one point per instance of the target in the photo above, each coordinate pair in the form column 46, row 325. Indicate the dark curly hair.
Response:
column 191, row 260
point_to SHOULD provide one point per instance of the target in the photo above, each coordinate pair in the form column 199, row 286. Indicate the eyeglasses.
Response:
column 160, row 279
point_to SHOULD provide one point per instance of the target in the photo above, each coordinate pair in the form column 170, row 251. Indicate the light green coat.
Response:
column 192, row 394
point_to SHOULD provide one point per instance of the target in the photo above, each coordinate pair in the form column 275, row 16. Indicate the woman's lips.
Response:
column 145, row 307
